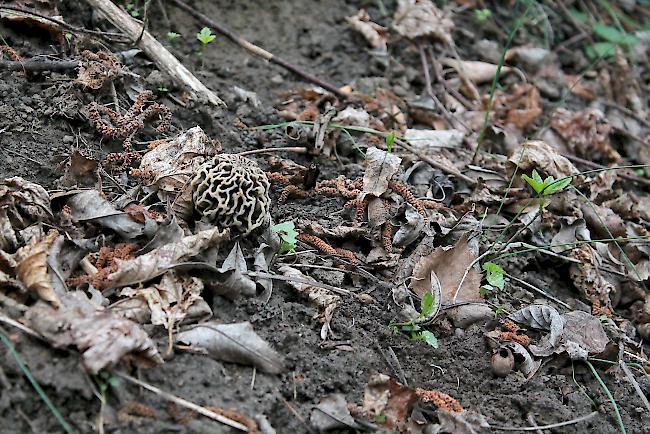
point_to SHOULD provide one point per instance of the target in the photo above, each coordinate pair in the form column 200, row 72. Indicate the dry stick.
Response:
column 258, row 51
column 34, row 65
column 155, row 50
column 296, row 149
column 544, row 427
column 632, row 380
column 184, row 403
column 538, row 290
column 434, row 163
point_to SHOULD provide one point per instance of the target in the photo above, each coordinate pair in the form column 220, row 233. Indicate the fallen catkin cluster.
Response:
column 231, row 191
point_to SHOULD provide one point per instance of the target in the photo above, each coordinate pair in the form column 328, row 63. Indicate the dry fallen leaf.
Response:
column 22, row 203
column 158, row 261
column 376, row 35
column 520, row 106
column 464, row 422
column 332, row 413
column 237, row 343
column 174, row 299
column 382, row 166
column 536, row 154
column 91, row 206
column 421, row 18
column 586, row 133
column 449, row 265
column 102, row 337
column 234, row 281
column 589, row 280
column 32, row 268
column 578, row 333
column 391, row 401
column 170, row 166
column 476, row 71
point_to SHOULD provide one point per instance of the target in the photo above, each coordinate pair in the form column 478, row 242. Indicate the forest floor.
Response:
column 458, row 237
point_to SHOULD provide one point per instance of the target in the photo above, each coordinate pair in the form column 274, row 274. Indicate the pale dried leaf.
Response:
column 476, row 71
column 425, row 140
column 376, row 35
column 536, row 154
column 381, row 167
column 102, row 337
column 384, row 397
column 235, row 280
column 156, row 262
column 237, row 343
column 174, row 299
column 22, row 203
column 91, row 206
column 542, row 317
column 421, row 18
column 409, row 231
column 32, row 268
column 449, row 265
column 528, row 366
column 377, row 212
column 170, row 166
column 464, row 422
column 583, row 335
column 332, row 413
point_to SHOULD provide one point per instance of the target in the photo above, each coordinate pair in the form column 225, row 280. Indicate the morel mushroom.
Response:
column 231, row 191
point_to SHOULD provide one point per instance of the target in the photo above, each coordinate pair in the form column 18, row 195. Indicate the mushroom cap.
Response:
column 231, row 191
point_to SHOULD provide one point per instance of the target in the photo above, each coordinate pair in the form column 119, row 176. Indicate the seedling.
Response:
column 172, row 36
column 133, row 9
column 414, row 330
column 545, row 187
column 499, row 310
column 390, row 139
column 494, row 275
column 287, row 233
column 482, row 15
column 205, row 36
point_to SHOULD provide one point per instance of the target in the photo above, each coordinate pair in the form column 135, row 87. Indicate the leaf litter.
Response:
column 408, row 207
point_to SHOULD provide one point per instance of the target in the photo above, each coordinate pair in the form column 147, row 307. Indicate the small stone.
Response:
column 68, row 139
column 277, row 79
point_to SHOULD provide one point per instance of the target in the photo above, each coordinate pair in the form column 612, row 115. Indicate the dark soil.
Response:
column 41, row 122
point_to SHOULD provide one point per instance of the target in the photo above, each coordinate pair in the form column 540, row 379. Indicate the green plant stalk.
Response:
column 619, row 419
column 548, row 246
column 59, row 417
column 518, row 23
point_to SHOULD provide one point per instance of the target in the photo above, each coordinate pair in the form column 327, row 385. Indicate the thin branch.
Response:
column 296, row 149
column 636, row 386
column 538, row 290
column 258, row 51
column 184, row 403
column 34, row 65
column 544, row 427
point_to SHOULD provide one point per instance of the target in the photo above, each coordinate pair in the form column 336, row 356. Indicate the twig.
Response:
column 533, row 422
column 538, row 290
column 184, row 403
column 155, row 50
column 35, row 65
column 627, row 112
column 632, row 380
column 301, row 281
column 434, row 163
column 296, row 149
column 544, row 427
column 19, row 326
column 258, row 51
column 61, row 23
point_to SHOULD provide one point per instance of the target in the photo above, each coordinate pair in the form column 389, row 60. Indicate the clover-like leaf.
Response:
column 287, row 233
column 205, row 36
column 429, row 338
column 494, row 274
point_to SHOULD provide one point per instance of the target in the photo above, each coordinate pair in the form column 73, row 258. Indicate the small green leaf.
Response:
column 173, row 35
column 580, row 17
column 390, row 139
column 535, row 182
column 426, row 305
column 613, row 35
column 485, row 290
column 380, row 418
column 557, row 185
column 482, row 14
column 205, row 36
column 600, row 49
column 429, row 338
column 287, row 233
column 494, row 274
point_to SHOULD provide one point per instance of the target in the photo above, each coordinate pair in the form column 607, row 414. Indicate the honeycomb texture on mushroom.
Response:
column 231, row 191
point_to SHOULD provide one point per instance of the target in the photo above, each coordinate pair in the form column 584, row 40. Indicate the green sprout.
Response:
column 132, row 8
column 482, row 15
column 545, row 187
column 390, row 139
column 172, row 36
column 68, row 37
column 413, row 329
column 287, row 233
column 495, row 277
column 205, row 36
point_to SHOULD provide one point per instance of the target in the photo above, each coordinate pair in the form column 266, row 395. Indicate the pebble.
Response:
column 68, row 139
column 277, row 79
